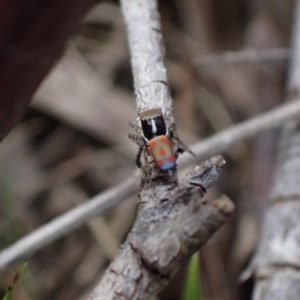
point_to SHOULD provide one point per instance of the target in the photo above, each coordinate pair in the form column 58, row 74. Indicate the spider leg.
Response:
column 136, row 138
column 135, row 126
column 138, row 158
column 147, row 167
column 181, row 147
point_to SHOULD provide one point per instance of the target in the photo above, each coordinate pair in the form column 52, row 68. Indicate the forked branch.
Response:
column 171, row 224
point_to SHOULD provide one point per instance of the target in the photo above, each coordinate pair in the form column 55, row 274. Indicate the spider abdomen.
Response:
column 161, row 150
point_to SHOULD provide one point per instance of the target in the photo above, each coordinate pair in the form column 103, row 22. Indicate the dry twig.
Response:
column 226, row 138
column 68, row 222
column 244, row 56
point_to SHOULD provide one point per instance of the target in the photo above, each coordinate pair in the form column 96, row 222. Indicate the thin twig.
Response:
column 68, row 222
column 242, row 131
column 293, row 84
column 244, row 56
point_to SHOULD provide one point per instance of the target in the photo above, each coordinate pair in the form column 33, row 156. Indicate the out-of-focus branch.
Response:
column 68, row 222
column 244, row 56
column 33, row 36
column 293, row 84
column 226, row 138
column 90, row 97
column 276, row 263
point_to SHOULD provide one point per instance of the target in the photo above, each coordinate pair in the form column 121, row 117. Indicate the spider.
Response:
column 157, row 140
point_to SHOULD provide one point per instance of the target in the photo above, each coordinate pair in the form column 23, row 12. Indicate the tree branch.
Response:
column 171, row 222
column 147, row 54
column 277, row 260
column 169, row 227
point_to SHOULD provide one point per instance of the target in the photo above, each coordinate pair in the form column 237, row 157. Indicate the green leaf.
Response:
column 10, row 289
column 192, row 289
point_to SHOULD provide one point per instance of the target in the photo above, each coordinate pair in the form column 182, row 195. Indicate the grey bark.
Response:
column 147, row 54
column 277, row 261
column 171, row 224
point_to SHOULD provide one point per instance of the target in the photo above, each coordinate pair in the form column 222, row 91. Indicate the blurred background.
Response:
column 72, row 143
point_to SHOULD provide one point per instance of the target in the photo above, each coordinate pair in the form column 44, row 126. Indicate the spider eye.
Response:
column 147, row 129
column 160, row 125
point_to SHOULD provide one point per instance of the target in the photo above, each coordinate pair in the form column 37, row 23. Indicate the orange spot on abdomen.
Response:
column 162, row 152
column 152, row 143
